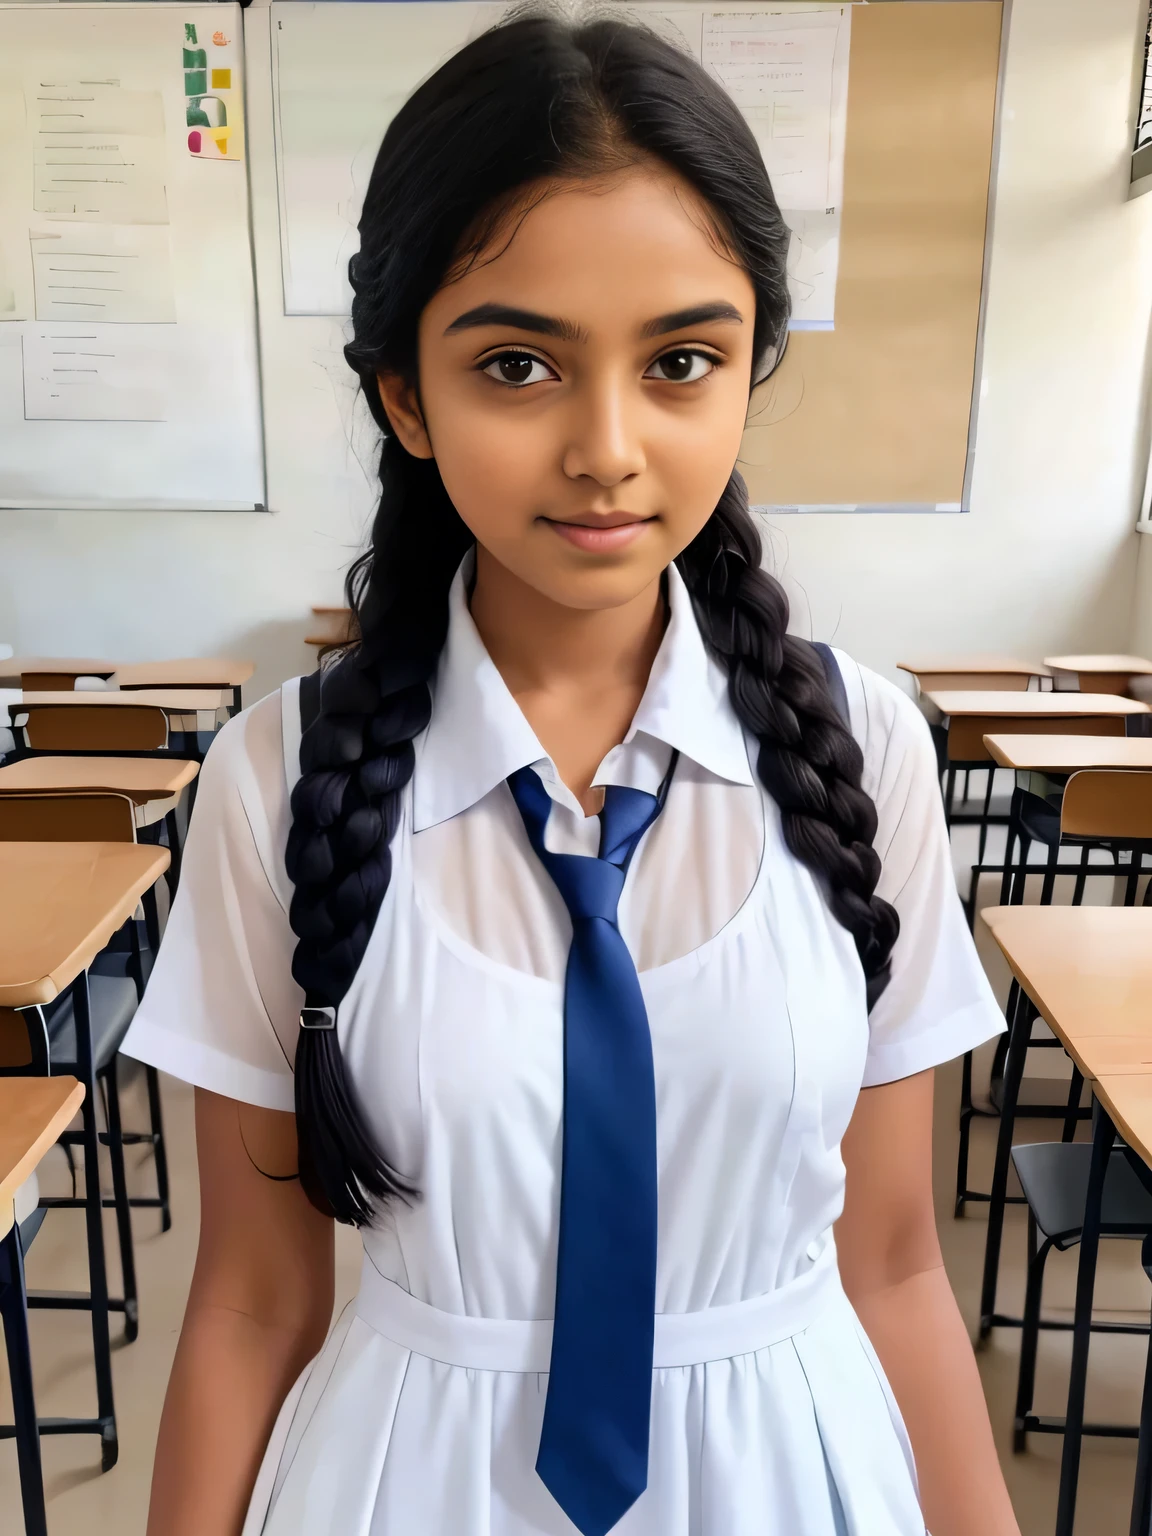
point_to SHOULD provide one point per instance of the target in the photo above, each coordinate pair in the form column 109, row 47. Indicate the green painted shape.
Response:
column 195, row 58
column 214, row 116
column 189, row 32
column 195, row 82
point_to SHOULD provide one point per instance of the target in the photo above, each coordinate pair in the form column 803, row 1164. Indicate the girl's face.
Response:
column 583, row 386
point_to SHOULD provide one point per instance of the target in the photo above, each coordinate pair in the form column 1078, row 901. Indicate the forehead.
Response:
column 638, row 243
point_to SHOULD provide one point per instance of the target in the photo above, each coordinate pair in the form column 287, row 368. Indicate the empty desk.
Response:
column 1000, row 673
column 33, row 1113
column 1100, row 674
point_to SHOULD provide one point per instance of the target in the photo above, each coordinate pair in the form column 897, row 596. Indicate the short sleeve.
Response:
column 938, row 1002
column 221, row 1009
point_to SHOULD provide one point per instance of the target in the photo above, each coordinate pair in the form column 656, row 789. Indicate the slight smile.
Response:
column 601, row 535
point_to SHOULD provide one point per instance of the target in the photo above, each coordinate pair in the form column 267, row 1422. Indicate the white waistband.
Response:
column 682, row 1338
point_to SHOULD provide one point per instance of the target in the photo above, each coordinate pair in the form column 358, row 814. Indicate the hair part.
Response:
column 536, row 103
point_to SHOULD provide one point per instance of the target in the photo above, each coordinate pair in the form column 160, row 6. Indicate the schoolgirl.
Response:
column 581, row 936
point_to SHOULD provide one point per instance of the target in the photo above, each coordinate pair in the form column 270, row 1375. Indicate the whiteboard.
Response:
column 129, row 365
column 341, row 70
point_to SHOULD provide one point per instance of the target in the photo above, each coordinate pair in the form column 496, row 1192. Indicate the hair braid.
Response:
column 809, row 762
column 356, row 759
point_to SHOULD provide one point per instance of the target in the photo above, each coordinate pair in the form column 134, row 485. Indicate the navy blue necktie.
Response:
column 593, row 1454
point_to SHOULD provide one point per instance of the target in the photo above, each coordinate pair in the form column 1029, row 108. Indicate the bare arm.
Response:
column 894, row 1276
column 258, row 1311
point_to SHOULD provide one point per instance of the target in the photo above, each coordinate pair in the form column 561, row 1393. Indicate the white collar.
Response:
column 477, row 735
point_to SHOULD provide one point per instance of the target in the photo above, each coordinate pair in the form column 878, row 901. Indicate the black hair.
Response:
column 534, row 99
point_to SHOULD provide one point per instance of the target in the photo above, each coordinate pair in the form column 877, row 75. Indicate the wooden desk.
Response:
column 140, row 778
column 66, row 668
column 1089, row 972
column 334, row 628
column 185, row 672
column 1051, row 706
column 1105, row 674
column 60, row 903
column 1068, row 754
column 998, row 673
column 178, row 701
column 153, row 784
column 33, row 1113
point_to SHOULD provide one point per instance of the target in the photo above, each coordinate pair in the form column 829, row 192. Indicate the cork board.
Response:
column 876, row 413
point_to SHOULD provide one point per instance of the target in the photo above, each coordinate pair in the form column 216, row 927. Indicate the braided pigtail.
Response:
column 809, row 762
column 356, row 759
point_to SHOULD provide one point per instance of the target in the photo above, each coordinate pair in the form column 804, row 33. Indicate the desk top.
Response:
column 1136, row 665
column 33, row 1112
column 1089, row 971
column 71, row 666
column 963, row 701
column 1061, row 754
column 140, row 778
column 174, row 699
column 185, row 672
column 1128, row 1099
column 60, row 903
column 971, row 662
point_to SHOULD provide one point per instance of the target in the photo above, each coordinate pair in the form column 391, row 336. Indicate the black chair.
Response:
column 1054, row 1178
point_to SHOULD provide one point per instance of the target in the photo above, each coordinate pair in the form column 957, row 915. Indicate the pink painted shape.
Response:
column 194, row 142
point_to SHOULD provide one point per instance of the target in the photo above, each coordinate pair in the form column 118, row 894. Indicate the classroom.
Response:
column 576, row 767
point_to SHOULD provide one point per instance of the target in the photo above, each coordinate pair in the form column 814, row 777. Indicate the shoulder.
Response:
column 892, row 733
column 247, row 777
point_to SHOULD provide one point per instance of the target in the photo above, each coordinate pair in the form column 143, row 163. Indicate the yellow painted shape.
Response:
column 221, row 79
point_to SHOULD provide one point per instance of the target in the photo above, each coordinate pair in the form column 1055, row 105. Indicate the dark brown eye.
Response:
column 516, row 368
column 681, row 367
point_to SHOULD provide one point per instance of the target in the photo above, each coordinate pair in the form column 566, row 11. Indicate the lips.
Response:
column 602, row 534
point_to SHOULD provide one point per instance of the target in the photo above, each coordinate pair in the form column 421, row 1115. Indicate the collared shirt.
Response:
column 222, row 1009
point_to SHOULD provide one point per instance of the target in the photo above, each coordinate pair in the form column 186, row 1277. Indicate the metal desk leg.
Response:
column 14, row 1308
column 1142, row 1492
column 1019, row 1033
column 1103, row 1138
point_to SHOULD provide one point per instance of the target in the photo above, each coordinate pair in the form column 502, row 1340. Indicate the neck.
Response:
column 577, row 674
column 539, row 644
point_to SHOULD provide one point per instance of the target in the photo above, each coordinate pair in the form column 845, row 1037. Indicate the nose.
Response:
column 605, row 441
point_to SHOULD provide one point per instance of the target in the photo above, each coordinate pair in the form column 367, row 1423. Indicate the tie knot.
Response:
column 590, row 887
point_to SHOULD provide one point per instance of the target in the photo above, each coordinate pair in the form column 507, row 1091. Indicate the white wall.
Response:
column 1045, row 561
column 1141, row 644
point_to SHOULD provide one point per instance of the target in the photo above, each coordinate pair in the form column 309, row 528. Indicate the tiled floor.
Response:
column 84, row 1503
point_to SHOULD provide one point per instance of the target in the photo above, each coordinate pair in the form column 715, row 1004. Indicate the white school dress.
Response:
column 421, row 1415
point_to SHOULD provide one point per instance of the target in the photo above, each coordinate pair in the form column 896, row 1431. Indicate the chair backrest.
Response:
column 95, row 727
column 1108, row 802
column 966, row 732
column 66, row 816
column 49, row 682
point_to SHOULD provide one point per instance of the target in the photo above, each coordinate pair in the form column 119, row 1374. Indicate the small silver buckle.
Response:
column 317, row 1018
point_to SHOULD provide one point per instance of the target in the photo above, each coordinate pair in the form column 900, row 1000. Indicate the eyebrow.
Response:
column 565, row 330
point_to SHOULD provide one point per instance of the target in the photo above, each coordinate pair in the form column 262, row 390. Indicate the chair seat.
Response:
column 112, row 1003
column 1054, row 1178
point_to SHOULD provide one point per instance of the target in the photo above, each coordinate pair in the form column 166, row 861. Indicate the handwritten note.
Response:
column 98, row 152
column 787, row 71
column 94, row 373
column 94, row 272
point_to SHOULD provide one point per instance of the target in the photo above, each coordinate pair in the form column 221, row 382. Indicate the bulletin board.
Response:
column 129, row 365
column 879, row 413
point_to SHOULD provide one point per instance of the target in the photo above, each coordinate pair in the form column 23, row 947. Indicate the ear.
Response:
column 403, row 410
